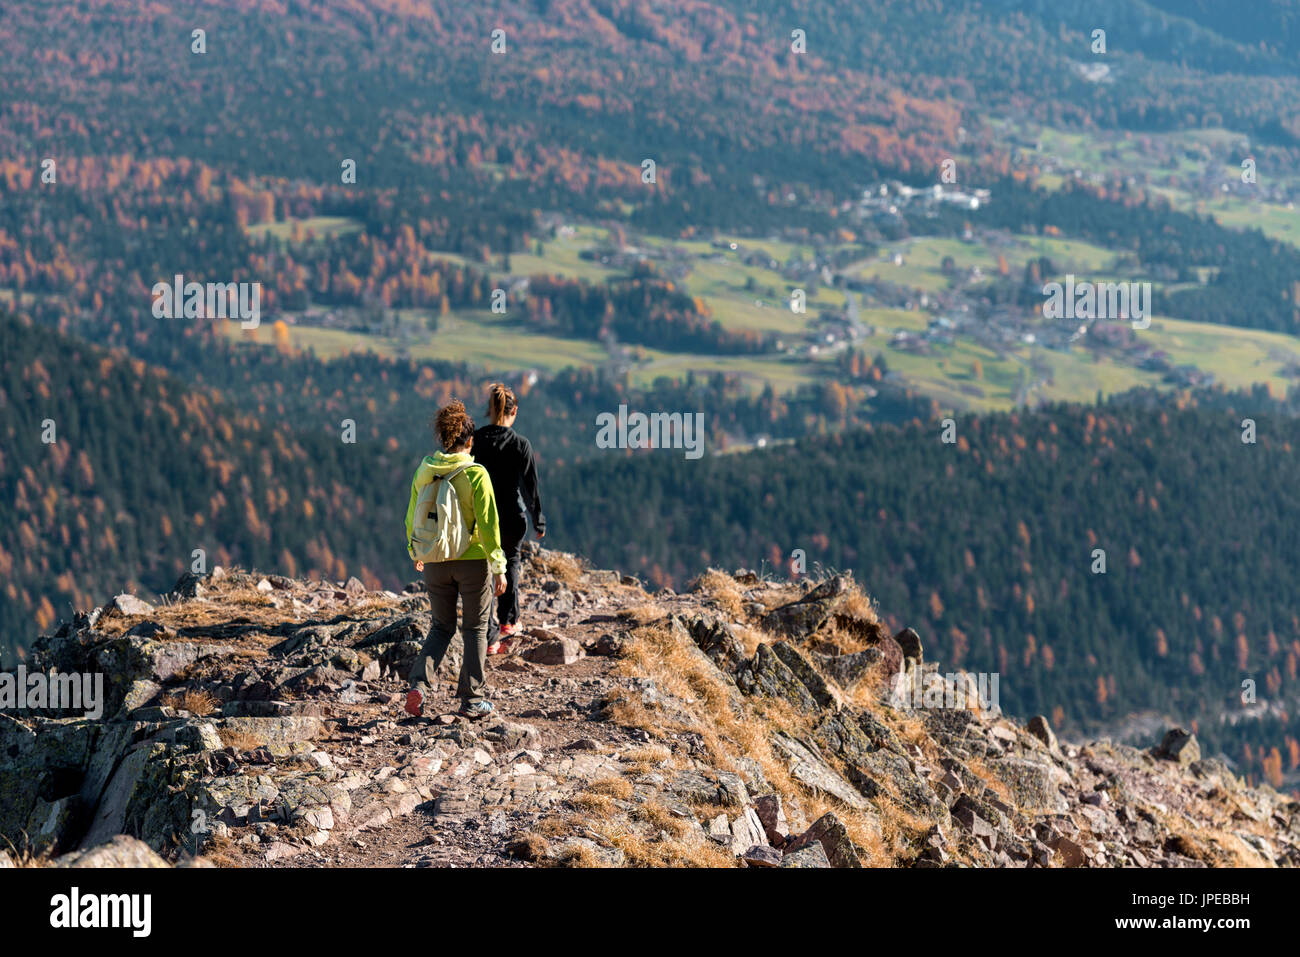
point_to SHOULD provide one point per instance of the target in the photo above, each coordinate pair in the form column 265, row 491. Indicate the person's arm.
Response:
column 528, row 485
column 485, row 514
column 410, row 517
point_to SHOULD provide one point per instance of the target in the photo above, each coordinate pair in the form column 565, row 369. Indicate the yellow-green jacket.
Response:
column 474, row 489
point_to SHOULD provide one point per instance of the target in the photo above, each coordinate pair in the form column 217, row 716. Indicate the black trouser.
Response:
column 513, row 532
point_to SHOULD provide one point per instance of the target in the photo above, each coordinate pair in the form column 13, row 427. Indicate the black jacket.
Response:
column 512, row 465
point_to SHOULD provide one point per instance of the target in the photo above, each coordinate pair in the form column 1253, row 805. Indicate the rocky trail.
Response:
column 445, row 791
column 256, row 721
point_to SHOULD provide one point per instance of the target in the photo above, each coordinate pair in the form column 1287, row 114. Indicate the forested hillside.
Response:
column 256, row 473
column 988, row 547
column 142, row 470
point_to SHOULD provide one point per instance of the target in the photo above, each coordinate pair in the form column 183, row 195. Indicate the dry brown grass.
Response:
column 912, row 731
column 981, row 770
column 660, row 817
column 577, row 855
column 659, row 655
column 232, row 601
column 239, row 740
column 530, row 847
column 751, row 637
column 221, row 851
column 646, row 758
column 869, row 691
column 195, row 701
column 855, row 624
column 1210, row 845
column 561, row 567
column 554, row 826
column 647, row 754
column 640, row 614
column 722, row 590
column 676, row 851
column 857, row 605
column 612, row 786
column 25, row 856
column 774, row 595
column 595, row 803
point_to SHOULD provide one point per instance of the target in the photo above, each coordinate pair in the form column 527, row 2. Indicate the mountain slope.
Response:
column 257, row 721
column 990, row 545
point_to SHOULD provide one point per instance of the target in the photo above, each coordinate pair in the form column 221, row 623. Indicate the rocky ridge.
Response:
column 256, row 721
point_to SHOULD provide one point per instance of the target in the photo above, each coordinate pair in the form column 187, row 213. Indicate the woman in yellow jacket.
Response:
column 474, row 577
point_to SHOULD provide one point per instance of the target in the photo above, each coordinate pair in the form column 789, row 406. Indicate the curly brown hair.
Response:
column 453, row 426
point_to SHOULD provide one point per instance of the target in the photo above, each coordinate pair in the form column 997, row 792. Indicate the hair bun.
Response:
column 453, row 425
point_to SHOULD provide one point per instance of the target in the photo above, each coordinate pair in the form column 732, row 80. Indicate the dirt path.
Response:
column 444, row 791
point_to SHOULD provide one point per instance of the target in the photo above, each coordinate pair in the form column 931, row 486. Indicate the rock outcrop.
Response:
column 257, row 720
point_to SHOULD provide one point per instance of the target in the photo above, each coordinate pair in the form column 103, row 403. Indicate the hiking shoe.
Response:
column 415, row 703
column 476, row 709
column 502, row 645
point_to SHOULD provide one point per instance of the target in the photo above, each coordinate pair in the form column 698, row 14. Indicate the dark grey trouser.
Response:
column 469, row 580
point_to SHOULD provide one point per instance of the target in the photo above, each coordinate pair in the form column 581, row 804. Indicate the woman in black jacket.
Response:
column 512, row 466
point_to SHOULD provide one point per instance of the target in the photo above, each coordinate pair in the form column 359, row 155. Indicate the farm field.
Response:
column 751, row 296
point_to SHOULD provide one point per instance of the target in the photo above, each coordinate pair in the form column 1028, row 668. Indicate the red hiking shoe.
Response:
column 502, row 645
column 415, row 703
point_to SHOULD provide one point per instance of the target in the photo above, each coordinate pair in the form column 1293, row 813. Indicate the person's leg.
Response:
column 475, row 583
column 442, row 591
column 512, row 539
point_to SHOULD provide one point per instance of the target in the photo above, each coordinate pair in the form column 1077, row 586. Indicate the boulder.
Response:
column 884, row 772
column 814, row 855
column 1179, row 745
column 1041, row 730
column 840, row 735
column 397, row 659
column 582, row 852
column 562, row 651
column 768, row 675
column 829, row 831
column 130, row 605
column 760, row 855
column 715, row 638
column 909, row 643
column 146, row 797
column 1070, row 852
column 118, row 851
column 279, row 731
column 848, row 670
column 509, row 734
column 966, row 812
column 405, row 628
column 771, row 815
column 799, row 619
column 818, row 687
column 807, row 766
column 41, row 765
column 1035, row 785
